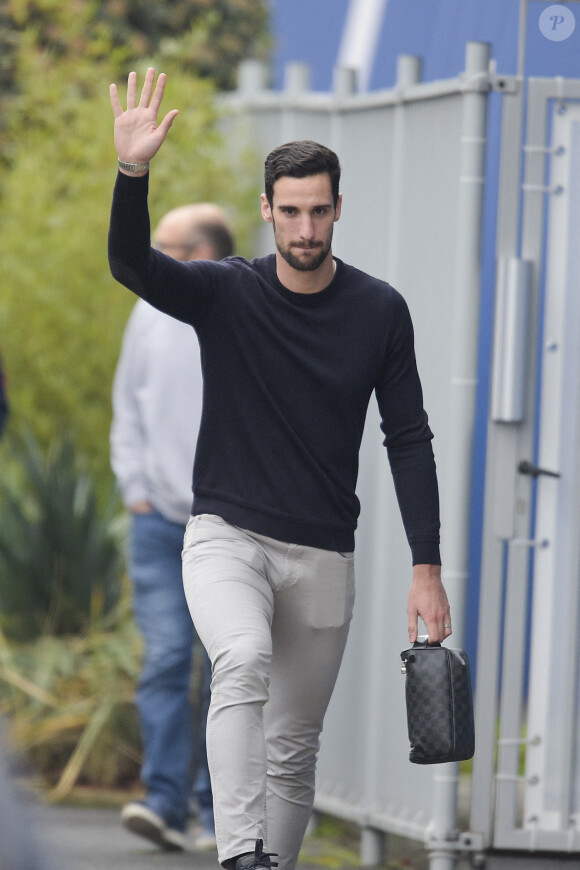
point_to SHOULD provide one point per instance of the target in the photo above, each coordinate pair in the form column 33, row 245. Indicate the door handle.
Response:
column 526, row 467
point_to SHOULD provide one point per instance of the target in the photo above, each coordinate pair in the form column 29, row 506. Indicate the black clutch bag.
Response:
column 439, row 703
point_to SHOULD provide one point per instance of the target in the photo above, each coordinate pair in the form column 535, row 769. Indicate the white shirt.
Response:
column 157, row 397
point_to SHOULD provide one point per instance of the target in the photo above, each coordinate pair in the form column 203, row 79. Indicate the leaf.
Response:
column 75, row 764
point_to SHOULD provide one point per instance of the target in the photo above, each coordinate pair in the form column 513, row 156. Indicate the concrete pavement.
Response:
column 80, row 838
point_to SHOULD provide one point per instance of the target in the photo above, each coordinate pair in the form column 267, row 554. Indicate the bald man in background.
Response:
column 157, row 396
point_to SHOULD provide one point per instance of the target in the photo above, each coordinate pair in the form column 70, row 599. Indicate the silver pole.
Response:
column 456, row 490
column 522, row 39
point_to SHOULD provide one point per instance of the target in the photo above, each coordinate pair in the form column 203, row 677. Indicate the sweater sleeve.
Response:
column 408, row 441
column 181, row 289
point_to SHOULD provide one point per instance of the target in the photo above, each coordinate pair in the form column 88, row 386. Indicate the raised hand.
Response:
column 138, row 136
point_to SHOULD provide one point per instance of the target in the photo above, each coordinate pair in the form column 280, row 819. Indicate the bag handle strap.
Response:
column 422, row 642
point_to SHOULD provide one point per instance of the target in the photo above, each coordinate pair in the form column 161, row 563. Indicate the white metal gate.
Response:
column 413, row 161
column 526, row 780
column 552, row 795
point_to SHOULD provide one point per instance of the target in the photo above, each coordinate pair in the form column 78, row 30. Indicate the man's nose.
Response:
column 306, row 228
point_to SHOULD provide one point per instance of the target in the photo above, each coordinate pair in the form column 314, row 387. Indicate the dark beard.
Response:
column 305, row 265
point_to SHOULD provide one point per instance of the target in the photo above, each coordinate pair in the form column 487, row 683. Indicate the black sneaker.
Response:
column 257, row 859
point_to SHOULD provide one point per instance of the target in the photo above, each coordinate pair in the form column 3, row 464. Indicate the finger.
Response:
column 147, row 89
column 115, row 101
column 439, row 630
column 167, row 122
column 434, row 634
column 131, row 90
column 158, row 93
column 412, row 628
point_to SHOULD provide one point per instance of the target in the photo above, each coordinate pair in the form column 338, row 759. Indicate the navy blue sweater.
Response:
column 287, row 382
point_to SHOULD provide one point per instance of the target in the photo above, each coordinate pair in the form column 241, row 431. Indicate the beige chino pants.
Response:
column 274, row 619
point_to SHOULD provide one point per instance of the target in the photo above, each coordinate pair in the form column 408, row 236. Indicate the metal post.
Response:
column 296, row 78
column 372, row 847
column 409, row 71
column 501, row 462
column 344, row 82
column 251, row 78
column 463, row 389
column 360, row 37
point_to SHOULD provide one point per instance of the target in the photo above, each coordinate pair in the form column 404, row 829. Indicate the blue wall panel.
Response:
column 436, row 30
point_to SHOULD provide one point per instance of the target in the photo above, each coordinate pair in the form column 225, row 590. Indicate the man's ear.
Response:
column 338, row 208
column 266, row 210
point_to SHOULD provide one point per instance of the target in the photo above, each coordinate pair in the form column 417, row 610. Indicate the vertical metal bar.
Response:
column 296, row 79
column 463, row 375
column 499, row 520
column 251, row 78
column 522, row 39
column 518, row 564
column 462, row 406
column 568, row 808
column 408, row 74
column 360, row 37
column 512, row 684
column 552, row 764
column 510, row 350
column 499, row 501
column 372, row 847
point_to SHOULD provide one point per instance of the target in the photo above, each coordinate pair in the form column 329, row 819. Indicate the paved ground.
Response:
column 78, row 838
column 93, row 839
column 84, row 838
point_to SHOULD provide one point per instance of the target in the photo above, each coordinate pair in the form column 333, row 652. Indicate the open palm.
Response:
column 138, row 136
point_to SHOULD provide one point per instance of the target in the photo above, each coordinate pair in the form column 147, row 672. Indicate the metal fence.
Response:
column 413, row 165
column 412, row 184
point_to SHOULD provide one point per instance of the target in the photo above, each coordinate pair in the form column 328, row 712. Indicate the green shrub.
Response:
column 68, row 703
column 62, row 315
column 60, row 556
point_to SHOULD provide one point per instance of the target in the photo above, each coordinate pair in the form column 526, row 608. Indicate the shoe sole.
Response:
column 144, row 823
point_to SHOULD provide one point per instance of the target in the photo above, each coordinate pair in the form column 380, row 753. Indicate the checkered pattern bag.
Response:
column 439, row 703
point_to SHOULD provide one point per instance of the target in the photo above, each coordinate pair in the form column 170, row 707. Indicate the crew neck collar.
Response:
column 309, row 298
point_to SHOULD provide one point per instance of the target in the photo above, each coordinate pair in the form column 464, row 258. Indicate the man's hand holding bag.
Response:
column 439, row 703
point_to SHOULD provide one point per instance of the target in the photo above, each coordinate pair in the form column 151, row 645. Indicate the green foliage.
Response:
column 61, row 314
column 60, row 559
column 216, row 36
column 69, row 704
column 68, row 698
column 209, row 37
column 67, row 692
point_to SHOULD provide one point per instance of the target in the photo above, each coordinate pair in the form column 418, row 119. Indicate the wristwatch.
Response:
column 133, row 167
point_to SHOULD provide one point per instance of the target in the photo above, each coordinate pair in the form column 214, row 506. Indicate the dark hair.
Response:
column 298, row 160
column 217, row 236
